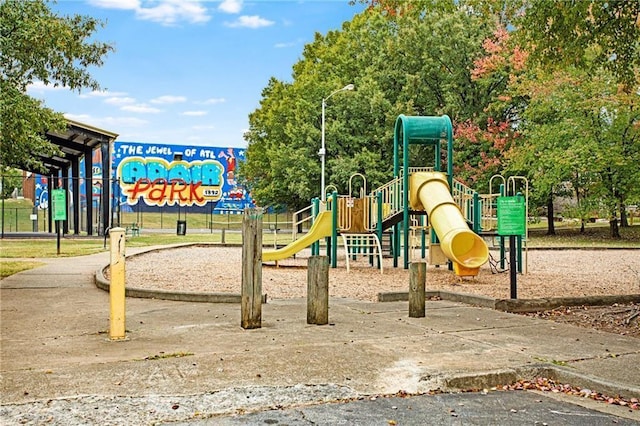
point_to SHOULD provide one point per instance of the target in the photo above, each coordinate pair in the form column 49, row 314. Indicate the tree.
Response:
column 581, row 134
column 39, row 45
column 487, row 139
column 414, row 63
column 585, row 34
column 10, row 179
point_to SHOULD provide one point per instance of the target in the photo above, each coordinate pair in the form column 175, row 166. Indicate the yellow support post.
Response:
column 117, row 285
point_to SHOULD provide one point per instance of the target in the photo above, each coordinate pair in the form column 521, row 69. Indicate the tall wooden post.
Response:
column 251, row 306
column 318, row 290
column 417, row 280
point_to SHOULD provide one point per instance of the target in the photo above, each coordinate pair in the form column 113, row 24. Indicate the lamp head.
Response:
column 348, row 87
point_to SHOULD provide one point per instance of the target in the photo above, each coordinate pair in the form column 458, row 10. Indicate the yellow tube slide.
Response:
column 321, row 228
column 429, row 191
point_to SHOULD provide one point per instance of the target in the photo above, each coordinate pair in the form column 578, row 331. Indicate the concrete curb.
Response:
column 559, row 374
column 514, row 305
column 103, row 283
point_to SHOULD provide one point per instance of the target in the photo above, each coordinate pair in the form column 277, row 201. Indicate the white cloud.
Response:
column 168, row 99
column 285, row 45
column 206, row 127
column 119, row 100
column 230, row 6
column 116, row 4
column 108, row 123
column 246, row 21
column 83, row 118
column 195, row 113
column 214, row 101
column 166, row 12
column 38, row 86
column 170, row 12
column 101, row 94
column 115, row 122
column 141, row 108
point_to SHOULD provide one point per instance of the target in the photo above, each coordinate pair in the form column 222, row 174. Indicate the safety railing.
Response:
column 391, row 199
column 489, row 216
column 301, row 217
column 418, row 170
column 463, row 197
column 345, row 206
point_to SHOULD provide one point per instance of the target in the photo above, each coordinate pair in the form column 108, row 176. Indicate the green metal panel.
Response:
column 59, row 204
column 426, row 129
column 511, row 215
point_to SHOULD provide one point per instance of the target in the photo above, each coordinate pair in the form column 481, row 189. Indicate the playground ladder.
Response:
column 363, row 244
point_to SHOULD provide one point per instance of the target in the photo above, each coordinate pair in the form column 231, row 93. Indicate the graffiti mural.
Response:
column 151, row 176
column 156, row 175
column 42, row 191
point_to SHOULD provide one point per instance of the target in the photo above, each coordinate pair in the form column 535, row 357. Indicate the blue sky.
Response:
column 190, row 72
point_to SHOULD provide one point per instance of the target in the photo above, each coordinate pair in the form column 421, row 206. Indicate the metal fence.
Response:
column 32, row 213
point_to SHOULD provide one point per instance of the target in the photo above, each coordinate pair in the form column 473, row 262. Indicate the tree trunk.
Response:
column 613, row 228
column 551, row 227
column 624, row 223
column 582, row 218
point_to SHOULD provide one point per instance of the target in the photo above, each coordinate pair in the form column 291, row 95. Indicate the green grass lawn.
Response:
column 10, row 267
column 595, row 235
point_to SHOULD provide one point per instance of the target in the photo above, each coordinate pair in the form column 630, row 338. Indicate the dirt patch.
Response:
column 623, row 319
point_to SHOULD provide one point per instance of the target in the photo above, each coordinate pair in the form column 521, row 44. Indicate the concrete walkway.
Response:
column 185, row 361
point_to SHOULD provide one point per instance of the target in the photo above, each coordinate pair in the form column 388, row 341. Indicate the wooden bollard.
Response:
column 417, row 280
column 318, row 290
column 251, row 306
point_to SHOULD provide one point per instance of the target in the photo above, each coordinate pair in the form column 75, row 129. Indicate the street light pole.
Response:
column 323, row 152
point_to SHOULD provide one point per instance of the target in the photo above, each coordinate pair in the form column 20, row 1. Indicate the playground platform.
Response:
column 186, row 362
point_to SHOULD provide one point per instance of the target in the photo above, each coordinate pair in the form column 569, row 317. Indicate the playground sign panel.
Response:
column 511, row 216
column 59, row 204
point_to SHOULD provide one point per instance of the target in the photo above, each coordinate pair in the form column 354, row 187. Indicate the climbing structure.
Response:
column 419, row 204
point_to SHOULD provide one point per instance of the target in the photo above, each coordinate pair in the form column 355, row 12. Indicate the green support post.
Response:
column 477, row 213
column 502, row 251
column 315, row 205
column 334, row 231
column 395, row 236
column 423, row 237
column 405, row 198
column 379, row 222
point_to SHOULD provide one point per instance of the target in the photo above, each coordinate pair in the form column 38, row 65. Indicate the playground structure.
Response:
column 422, row 207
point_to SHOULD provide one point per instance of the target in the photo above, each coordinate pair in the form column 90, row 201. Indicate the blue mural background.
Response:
column 214, row 165
column 209, row 167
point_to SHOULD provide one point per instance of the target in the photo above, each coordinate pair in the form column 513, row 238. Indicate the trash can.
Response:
column 181, row 227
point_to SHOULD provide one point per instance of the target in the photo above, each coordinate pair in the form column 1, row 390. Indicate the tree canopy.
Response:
column 414, row 64
column 545, row 89
column 586, row 34
column 38, row 45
